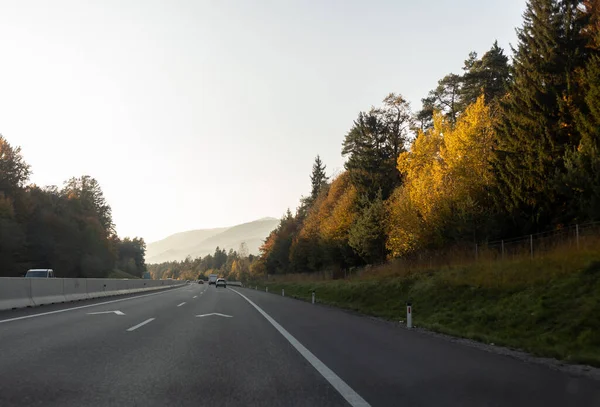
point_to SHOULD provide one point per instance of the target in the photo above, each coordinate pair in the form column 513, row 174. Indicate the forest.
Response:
column 68, row 229
column 507, row 147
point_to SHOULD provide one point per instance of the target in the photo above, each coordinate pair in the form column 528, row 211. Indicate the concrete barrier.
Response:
column 75, row 289
column 113, row 287
column 47, row 290
column 26, row 292
column 15, row 293
column 96, row 287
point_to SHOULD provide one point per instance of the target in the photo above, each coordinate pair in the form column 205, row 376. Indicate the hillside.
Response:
column 204, row 241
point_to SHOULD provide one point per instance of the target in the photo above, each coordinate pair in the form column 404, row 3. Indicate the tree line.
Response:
column 505, row 148
column 232, row 265
column 68, row 229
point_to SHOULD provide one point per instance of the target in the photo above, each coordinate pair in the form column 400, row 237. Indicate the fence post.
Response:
column 531, row 244
column 266, row 289
column 282, row 292
column 313, row 297
column 409, row 315
column 577, row 235
column 502, row 249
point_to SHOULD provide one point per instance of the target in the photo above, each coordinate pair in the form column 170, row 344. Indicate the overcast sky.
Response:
column 197, row 114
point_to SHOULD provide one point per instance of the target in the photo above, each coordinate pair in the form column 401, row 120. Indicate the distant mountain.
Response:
column 204, row 241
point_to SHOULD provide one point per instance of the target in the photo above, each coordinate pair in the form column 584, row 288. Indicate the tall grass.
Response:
column 548, row 305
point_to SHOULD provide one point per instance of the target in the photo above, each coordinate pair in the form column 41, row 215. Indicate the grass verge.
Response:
column 121, row 274
column 548, row 307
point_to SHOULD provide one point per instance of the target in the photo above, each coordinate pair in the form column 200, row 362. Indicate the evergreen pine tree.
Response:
column 582, row 180
column 318, row 178
column 488, row 76
column 537, row 126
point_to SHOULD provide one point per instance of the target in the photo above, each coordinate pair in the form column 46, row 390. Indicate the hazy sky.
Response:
column 196, row 114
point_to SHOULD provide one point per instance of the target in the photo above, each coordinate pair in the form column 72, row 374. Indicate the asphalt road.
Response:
column 266, row 351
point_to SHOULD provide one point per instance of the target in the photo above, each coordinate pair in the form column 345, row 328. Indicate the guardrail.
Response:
column 235, row 283
column 28, row 292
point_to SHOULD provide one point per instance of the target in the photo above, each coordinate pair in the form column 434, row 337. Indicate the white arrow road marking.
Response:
column 133, row 328
column 106, row 312
column 181, row 304
column 214, row 313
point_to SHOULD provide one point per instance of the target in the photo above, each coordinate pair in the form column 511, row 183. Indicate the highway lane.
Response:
column 160, row 353
column 390, row 366
column 177, row 359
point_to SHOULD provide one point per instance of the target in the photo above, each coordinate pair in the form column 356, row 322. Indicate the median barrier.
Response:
column 15, row 293
column 75, row 289
column 96, row 287
column 113, row 287
column 26, row 292
column 142, row 285
column 47, row 290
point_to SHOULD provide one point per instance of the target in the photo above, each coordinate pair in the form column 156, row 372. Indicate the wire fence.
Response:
column 579, row 236
column 573, row 237
column 582, row 237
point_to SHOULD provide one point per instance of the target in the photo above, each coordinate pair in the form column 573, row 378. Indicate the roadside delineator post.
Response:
column 267, row 289
column 313, row 297
column 409, row 315
column 282, row 292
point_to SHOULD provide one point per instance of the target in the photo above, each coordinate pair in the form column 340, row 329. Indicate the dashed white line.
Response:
column 195, row 296
column 352, row 397
column 133, row 328
column 181, row 304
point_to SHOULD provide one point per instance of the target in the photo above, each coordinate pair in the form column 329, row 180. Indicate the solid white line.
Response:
column 133, row 328
column 195, row 296
column 81, row 307
column 346, row 391
column 181, row 304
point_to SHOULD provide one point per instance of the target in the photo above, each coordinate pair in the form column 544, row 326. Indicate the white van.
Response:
column 40, row 273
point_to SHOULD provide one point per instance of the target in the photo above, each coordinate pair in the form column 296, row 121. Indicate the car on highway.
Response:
column 221, row 281
column 39, row 273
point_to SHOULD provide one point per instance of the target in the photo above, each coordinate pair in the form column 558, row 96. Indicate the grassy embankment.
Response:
column 121, row 274
column 548, row 306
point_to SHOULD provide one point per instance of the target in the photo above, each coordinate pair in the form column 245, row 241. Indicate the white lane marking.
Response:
column 181, row 304
column 81, row 307
column 214, row 313
column 133, row 328
column 352, row 397
column 195, row 296
column 106, row 312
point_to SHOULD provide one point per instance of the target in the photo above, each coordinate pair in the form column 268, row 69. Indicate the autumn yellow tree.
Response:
column 447, row 176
